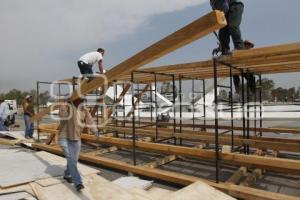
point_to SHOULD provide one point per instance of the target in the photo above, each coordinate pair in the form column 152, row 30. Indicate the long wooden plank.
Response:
column 277, row 144
column 195, row 30
column 160, row 162
column 265, row 59
column 207, row 74
column 239, row 128
column 255, row 142
column 233, row 190
column 274, row 164
column 258, row 64
column 207, row 126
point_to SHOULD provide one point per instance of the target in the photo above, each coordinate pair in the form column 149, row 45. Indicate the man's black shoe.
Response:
column 79, row 187
column 68, row 179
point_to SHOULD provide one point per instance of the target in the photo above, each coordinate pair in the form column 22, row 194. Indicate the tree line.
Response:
column 19, row 96
column 270, row 93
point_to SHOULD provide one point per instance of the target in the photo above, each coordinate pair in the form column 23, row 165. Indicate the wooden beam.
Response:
column 9, row 142
column 236, row 177
column 195, row 30
column 255, row 142
column 264, row 58
column 251, row 179
column 233, row 190
column 160, row 162
column 238, row 128
column 277, row 144
column 101, row 151
column 273, row 164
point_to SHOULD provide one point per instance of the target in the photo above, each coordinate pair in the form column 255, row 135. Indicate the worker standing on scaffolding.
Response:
column 86, row 62
column 233, row 10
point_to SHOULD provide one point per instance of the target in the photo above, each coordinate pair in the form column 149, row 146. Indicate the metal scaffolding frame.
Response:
column 136, row 116
column 245, row 118
column 38, row 85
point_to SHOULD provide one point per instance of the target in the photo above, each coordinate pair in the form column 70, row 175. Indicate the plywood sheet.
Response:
column 197, row 190
column 96, row 188
column 18, row 195
column 25, row 166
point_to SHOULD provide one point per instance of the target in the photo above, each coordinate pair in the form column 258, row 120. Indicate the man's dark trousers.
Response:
column 234, row 19
column 85, row 69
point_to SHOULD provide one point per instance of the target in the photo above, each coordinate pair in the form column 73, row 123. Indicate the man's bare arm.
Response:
column 101, row 69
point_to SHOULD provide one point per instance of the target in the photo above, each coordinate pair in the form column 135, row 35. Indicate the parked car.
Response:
column 13, row 110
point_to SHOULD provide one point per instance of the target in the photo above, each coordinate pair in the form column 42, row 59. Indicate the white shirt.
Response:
column 91, row 58
column 4, row 110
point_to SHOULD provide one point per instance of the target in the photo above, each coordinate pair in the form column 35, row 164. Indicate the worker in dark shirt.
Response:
column 28, row 109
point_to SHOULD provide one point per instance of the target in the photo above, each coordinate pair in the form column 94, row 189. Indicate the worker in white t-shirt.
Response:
column 86, row 62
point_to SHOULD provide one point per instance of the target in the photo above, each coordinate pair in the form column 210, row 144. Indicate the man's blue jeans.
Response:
column 28, row 126
column 2, row 126
column 71, row 149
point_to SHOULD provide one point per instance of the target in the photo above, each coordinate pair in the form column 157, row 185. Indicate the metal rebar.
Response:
column 38, row 107
column 248, row 110
column 260, row 105
column 193, row 106
column 156, row 127
column 204, row 102
column 216, row 120
column 180, row 108
column 133, row 121
column 243, row 108
column 231, row 112
column 174, row 104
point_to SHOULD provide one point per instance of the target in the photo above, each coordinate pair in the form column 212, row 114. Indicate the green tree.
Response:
column 15, row 94
column 267, row 87
column 291, row 94
column 44, row 97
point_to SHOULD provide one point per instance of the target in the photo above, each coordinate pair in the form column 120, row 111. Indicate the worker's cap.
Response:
column 28, row 97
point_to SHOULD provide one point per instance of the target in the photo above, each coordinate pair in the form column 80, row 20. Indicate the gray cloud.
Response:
column 41, row 40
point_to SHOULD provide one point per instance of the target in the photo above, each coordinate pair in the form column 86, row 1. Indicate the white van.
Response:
column 13, row 110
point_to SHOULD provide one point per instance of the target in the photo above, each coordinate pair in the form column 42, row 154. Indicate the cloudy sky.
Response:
column 42, row 40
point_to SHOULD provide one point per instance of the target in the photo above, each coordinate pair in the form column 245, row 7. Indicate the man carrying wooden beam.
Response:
column 73, row 118
column 86, row 62
column 233, row 10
